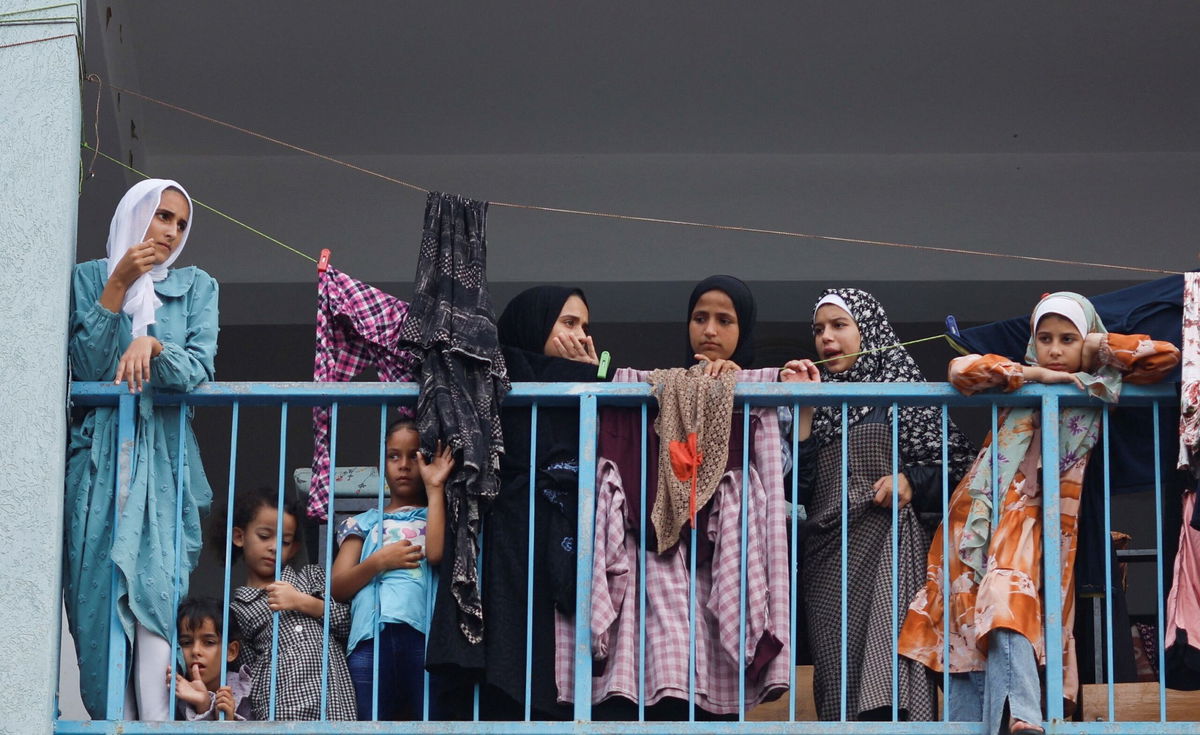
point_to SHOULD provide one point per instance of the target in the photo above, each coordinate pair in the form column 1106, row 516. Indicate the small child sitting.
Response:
column 202, row 697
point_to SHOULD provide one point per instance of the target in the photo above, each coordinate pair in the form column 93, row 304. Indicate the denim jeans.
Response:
column 401, row 674
column 1012, row 676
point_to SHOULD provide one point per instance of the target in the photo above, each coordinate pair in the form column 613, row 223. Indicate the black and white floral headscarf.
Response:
column 920, row 426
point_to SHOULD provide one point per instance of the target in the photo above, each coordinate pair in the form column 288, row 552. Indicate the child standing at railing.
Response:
column 299, row 596
column 200, row 694
column 996, row 610
column 386, row 577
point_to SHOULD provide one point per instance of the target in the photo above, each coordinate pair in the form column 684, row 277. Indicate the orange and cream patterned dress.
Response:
column 1009, row 593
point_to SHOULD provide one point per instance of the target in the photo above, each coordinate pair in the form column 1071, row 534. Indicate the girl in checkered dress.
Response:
column 297, row 595
column 383, row 568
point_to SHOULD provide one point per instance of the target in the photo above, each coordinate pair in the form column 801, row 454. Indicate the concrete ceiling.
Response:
column 1043, row 128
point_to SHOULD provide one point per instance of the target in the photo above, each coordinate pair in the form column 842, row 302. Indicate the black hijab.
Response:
column 524, row 328
column 747, row 313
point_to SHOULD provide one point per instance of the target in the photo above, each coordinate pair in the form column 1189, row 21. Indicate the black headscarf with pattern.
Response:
column 920, row 426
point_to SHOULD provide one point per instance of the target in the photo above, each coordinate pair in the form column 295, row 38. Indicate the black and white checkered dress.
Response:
column 869, row 633
column 298, row 688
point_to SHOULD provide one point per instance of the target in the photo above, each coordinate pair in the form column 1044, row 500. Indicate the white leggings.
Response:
column 147, row 696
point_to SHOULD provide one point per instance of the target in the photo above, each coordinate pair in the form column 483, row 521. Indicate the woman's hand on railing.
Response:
column 134, row 365
column 716, row 368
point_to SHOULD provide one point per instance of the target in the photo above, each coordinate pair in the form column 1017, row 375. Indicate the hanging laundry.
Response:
column 1182, row 640
column 693, row 428
column 722, row 658
column 1189, row 399
column 358, row 326
column 452, row 329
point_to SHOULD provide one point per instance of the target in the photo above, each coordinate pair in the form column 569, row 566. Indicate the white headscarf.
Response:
column 129, row 224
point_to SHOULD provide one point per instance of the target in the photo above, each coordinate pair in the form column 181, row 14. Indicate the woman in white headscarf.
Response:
column 135, row 320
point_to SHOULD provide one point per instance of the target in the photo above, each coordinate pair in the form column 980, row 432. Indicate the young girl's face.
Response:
column 403, row 472
column 200, row 644
column 257, row 542
column 836, row 333
column 1058, row 344
column 167, row 225
column 572, row 319
column 713, row 327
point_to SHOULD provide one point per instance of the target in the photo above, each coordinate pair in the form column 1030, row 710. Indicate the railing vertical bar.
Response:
column 1051, row 527
column 994, row 471
column 795, row 565
column 895, row 562
column 177, row 579
column 745, row 546
column 1158, row 562
column 229, row 505
column 585, row 545
column 479, row 570
column 118, row 647
column 641, row 617
column 845, row 511
column 382, row 536
column 275, row 616
column 945, row 563
column 330, row 531
column 1108, row 589
column 533, row 433
column 692, row 626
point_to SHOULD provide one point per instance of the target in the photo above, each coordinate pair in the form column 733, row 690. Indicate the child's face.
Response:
column 403, row 472
column 257, row 542
column 836, row 333
column 201, row 646
column 713, row 326
column 1058, row 344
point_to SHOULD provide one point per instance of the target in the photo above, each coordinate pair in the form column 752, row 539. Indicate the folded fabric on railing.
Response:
column 722, row 658
column 358, row 326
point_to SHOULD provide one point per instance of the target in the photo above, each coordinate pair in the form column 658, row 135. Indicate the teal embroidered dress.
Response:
column 143, row 544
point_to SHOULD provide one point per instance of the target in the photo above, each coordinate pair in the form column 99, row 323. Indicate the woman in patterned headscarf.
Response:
column 995, row 600
column 847, row 322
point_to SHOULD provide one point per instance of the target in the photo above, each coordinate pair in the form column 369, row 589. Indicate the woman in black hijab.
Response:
column 544, row 335
column 721, row 317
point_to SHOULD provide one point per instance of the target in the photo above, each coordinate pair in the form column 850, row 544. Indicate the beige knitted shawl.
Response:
column 689, row 403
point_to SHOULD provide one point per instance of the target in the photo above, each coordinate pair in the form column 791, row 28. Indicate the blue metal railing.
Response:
column 587, row 398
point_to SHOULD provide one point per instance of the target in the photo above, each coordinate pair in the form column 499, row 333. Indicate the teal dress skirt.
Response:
column 142, row 544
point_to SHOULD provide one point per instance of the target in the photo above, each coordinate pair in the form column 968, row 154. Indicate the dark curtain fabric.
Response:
column 451, row 328
column 524, row 327
column 1154, row 308
column 747, row 313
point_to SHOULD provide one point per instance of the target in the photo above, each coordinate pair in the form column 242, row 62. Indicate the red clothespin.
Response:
column 323, row 263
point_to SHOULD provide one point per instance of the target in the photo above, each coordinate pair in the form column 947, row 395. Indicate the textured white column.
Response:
column 39, row 186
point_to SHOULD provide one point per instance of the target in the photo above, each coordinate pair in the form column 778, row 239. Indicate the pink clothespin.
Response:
column 323, row 263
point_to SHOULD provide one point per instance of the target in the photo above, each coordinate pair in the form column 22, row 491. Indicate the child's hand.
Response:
column 716, row 368
column 800, row 371
column 434, row 474
column 283, row 596
column 1048, row 377
column 225, row 702
column 402, row 554
column 192, row 692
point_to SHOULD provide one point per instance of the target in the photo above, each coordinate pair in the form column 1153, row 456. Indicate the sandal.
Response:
column 1020, row 727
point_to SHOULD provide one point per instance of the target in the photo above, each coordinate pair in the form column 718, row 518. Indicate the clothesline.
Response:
column 637, row 218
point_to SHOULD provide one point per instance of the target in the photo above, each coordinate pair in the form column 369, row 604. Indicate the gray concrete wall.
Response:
column 39, row 158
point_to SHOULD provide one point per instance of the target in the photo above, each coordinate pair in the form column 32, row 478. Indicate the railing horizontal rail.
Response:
column 549, row 394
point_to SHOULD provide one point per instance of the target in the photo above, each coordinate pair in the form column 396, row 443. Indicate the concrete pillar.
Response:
column 39, row 186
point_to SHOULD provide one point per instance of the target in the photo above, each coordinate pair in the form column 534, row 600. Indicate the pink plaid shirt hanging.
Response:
column 358, row 326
